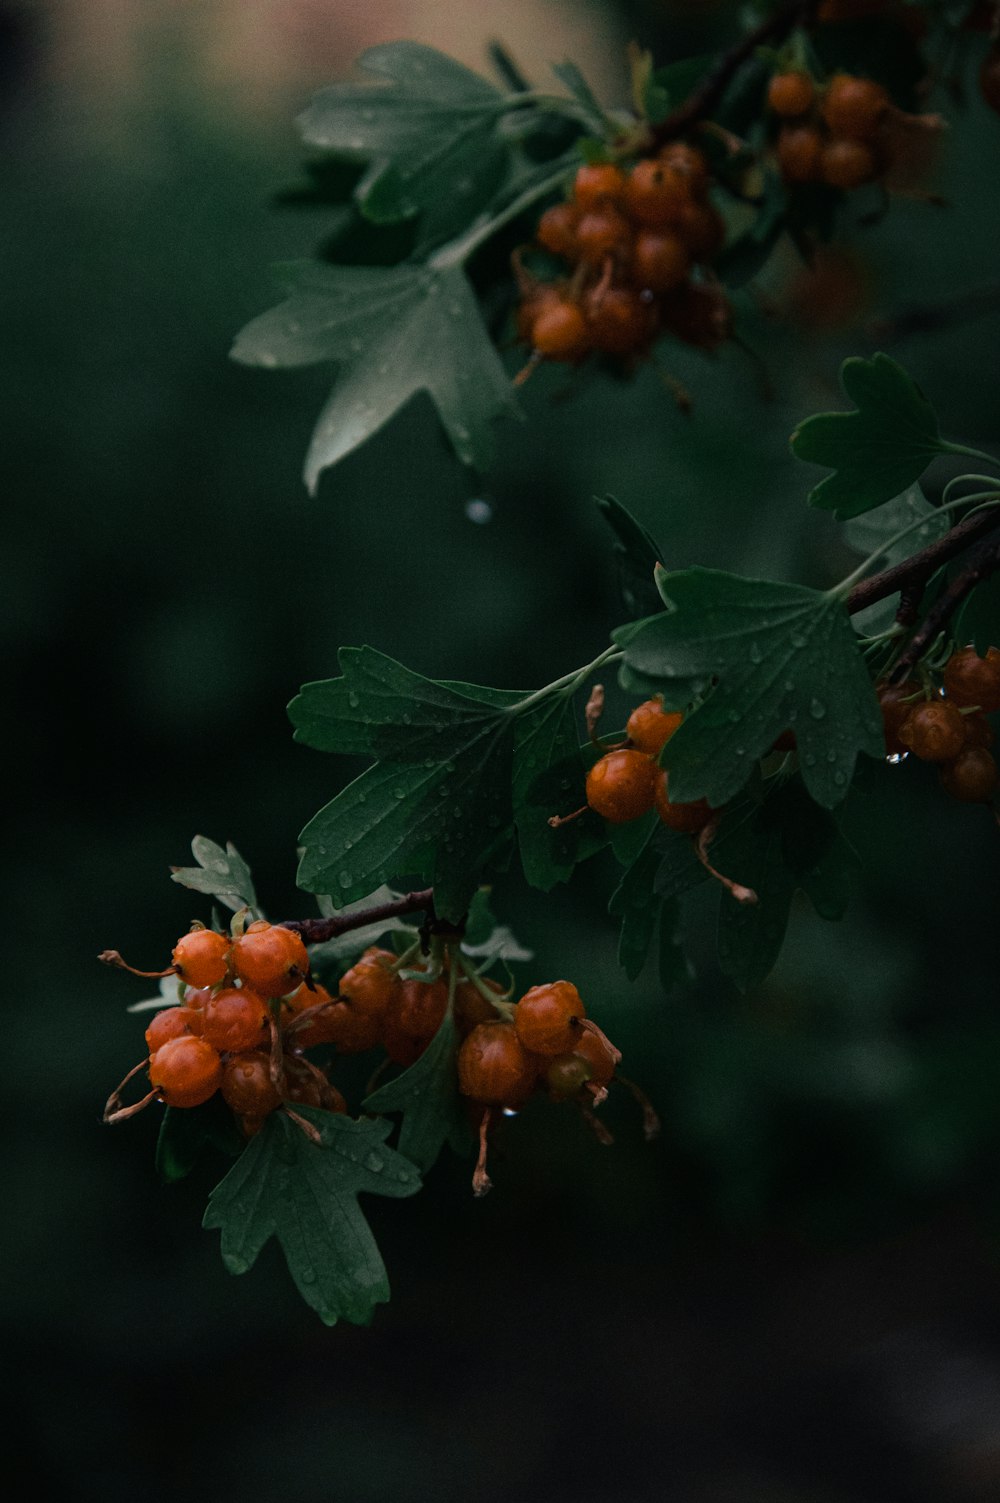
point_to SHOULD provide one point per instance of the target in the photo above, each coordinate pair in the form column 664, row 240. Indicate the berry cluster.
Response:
column 949, row 726
column 628, row 781
column 832, row 134
column 228, row 1032
column 632, row 239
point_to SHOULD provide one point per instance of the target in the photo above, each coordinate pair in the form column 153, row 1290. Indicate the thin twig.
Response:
column 316, row 931
column 984, row 561
column 920, row 566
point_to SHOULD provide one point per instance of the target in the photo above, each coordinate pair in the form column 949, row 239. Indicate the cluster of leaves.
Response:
column 424, row 162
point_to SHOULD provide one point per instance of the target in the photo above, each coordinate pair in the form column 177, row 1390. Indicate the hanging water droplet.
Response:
column 479, row 510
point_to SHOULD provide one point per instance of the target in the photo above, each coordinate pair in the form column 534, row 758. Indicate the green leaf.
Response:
column 427, row 1095
column 636, row 555
column 185, row 1134
column 428, row 129
column 395, row 331
column 222, row 874
column 877, row 451
column 668, row 87
column 870, row 532
column 285, row 1186
column 784, row 657
column 635, row 903
column 745, row 256
column 570, row 76
column 546, row 737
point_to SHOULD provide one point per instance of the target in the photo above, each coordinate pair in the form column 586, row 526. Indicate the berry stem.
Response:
column 569, row 681
column 984, row 561
column 844, row 590
column 921, row 565
column 481, row 1182
column 114, row 1111
column 650, row 1116
column 112, row 957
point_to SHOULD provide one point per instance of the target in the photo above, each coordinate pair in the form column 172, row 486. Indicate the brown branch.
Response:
column 919, row 568
column 704, row 99
column 316, row 931
column 984, row 561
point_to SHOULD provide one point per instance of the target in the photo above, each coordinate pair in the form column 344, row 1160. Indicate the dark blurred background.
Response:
column 793, row 1296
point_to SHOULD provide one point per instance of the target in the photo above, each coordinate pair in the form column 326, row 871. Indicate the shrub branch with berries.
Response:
column 756, row 706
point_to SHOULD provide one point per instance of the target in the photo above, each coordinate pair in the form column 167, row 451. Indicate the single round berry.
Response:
column 972, row 680
column 421, row 1007
column 591, row 1047
column 701, row 229
column 847, row 163
column 370, row 983
column 972, row 776
column 247, row 1086
column 660, row 260
column 790, row 94
column 853, row 107
column 602, row 232
column 896, row 701
column 235, row 1019
column 650, row 726
column 619, row 322
column 799, row 151
column 471, row 1007
column 303, row 1085
column 185, row 1071
column 493, row 1067
column 303, row 999
column 566, row 1075
column 557, row 230
column 532, row 306
column 560, row 332
column 654, row 192
column 270, row 959
column 934, row 731
column 685, row 818
column 620, row 785
column 201, row 957
column 402, row 1048
column 598, row 182
column 547, row 1018
column 339, row 1024
column 172, row 1023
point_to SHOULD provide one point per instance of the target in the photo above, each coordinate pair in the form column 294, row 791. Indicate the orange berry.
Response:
column 790, row 94
column 471, row 1007
column 602, row 232
column 556, row 230
column 270, row 959
column 847, row 163
column 686, row 818
column 201, row 957
column 246, row 1084
column 971, row 680
column 493, row 1066
column 620, row 785
column 852, row 107
column 972, row 776
column 654, row 192
column 934, row 731
column 171, row 1023
column 799, row 150
column 560, row 332
column 618, row 321
column 421, row 1008
column 650, row 726
column 546, row 1018
column 701, row 229
column 186, row 1071
column 598, row 182
column 235, row 1019
column 340, row 1024
column 688, row 163
column 895, row 701
column 370, row 983
column 660, row 260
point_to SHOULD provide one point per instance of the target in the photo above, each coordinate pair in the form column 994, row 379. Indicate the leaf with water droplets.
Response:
column 428, row 129
column 427, row 1095
column 876, row 451
column 810, row 678
column 394, row 331
column 286, row 1186
column 222, row 874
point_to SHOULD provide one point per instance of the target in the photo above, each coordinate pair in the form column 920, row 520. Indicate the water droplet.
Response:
column 741, row 751
column 399, row 793
column 839, row 779
column 756, row 656
column 478, row 510
column 353, row 700
column 734, row 717
column 307, row 1275
column 831, row 755
column 508, row 1111
column 357, row 345
column 345, row 879
column 267, row 358
column 789, row 685
column 817, row 709
column 375, row 1162
column 456, row 310
column 798, row 640
column 810, row 759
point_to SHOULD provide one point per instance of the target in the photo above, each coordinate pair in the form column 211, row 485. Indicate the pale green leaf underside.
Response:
column 784, row 657
column 394, row 332
column 221, row 874
column 284, row 1186
column 428, row 127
